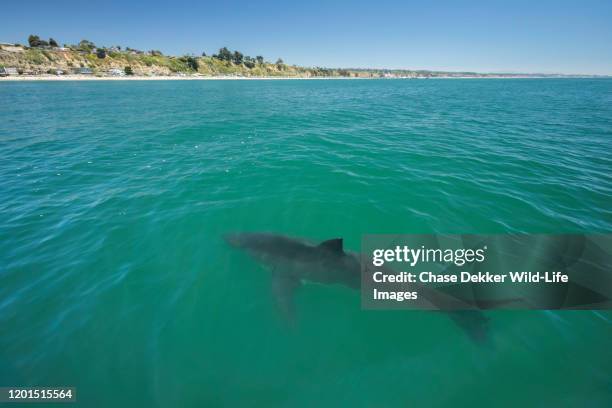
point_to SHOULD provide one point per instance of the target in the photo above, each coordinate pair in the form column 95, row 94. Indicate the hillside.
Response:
column 105, row 62
column 43, row 58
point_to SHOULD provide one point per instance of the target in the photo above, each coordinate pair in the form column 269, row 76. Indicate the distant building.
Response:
column 83, row 71
column 11, row 47
column 8, row 71
column 117, row 72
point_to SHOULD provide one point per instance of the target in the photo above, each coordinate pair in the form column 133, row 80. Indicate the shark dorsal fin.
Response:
column 334, row 245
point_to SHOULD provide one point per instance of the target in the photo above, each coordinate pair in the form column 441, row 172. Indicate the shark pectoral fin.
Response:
column 284, row 287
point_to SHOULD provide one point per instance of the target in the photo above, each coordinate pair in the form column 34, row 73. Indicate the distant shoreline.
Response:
column 47, row 61
column 56, row 78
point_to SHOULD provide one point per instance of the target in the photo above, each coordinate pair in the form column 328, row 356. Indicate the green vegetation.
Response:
column 191, row 63
column 223, row 55
column 45, row 56
column 35, row 41
column 35, row 56
column 86, row 46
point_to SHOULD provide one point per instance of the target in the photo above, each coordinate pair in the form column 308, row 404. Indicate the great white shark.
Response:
column 294, row 261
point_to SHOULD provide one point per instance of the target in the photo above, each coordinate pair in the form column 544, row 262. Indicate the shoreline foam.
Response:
column 231, row 78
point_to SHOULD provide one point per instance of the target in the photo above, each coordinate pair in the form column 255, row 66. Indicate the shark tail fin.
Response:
column 474, row 323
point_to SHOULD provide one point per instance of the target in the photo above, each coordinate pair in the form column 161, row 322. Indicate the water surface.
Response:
column 114, row 197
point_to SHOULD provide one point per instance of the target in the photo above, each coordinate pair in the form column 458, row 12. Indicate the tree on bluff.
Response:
column 249, row 62
column 191, row 62
column 35, row 41
column 86, row 45
column 237, row 58
column 224, row 54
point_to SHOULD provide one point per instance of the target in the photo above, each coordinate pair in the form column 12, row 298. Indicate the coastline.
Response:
column 146, row 78
column 69, row 78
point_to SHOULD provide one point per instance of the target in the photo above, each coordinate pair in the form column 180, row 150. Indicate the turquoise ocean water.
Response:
column 114, row 277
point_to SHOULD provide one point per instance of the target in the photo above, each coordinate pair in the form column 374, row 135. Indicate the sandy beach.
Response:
column 230, row 78
column 145, row 78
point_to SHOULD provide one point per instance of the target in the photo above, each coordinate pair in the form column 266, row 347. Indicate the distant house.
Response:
column 11, row 47
column 117, row 72
column 8, row 71
column 83, row 71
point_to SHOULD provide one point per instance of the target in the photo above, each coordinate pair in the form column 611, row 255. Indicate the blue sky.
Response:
column 486, row 36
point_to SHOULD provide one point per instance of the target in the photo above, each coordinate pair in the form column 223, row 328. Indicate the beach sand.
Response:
column 144, row 78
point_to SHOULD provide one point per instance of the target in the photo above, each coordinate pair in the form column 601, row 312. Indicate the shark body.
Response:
column 293, row 261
